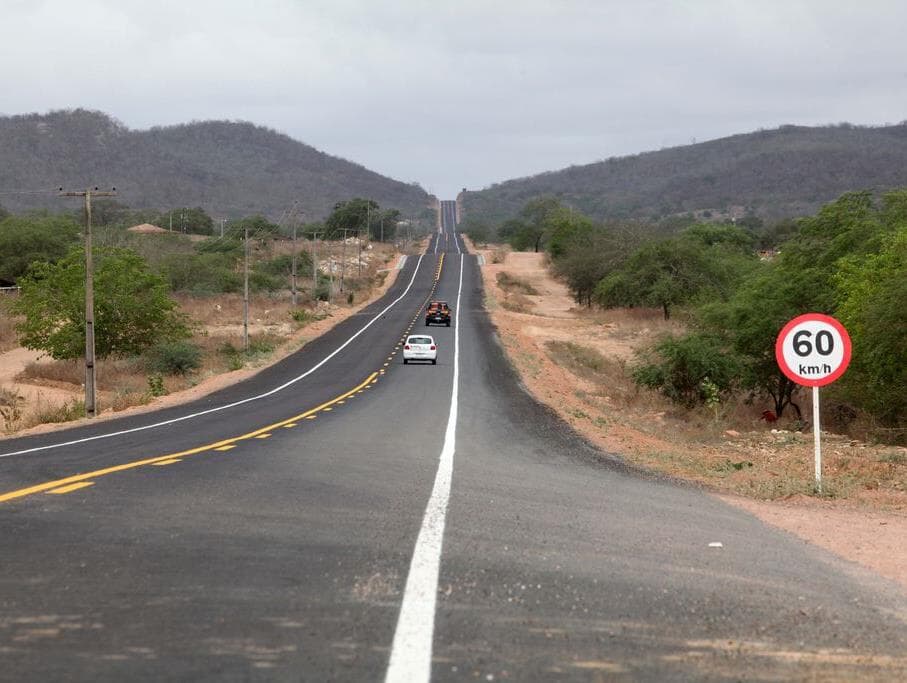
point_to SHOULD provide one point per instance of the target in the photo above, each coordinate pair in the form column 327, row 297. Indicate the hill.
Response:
column 228, row 168
column 785, row 172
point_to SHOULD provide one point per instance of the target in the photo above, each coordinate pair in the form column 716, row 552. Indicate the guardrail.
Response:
column 9, row 290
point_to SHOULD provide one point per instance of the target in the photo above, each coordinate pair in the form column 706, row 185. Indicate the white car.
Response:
column 420, row 347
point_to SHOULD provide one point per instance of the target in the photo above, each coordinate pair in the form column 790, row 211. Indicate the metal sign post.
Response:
column 813, row 350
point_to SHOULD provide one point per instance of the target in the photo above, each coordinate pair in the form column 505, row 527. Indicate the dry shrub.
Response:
column 126, row 399
column 517, row 303
column 514, row 285
column 45, row 413
column 65, row 371
column 498, row 255
column 7, row 329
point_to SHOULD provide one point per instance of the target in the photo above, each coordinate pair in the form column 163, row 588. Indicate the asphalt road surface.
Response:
column 341, row 516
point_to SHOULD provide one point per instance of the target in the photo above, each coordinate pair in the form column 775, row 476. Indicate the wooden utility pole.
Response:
column 90, row 394
column 245, row 294
column 294, row 262
column 315, row 265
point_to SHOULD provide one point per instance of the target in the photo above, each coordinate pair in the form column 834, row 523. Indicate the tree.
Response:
column 705, row 261
column 749, row 323
column 871, row 292
column 564, row 227
column 590, row 257
column 258, row 226
column 352, row 215
column 132, row 308
column 193, row 220
column 383, row 224
column 534, row 223
column 34, row 237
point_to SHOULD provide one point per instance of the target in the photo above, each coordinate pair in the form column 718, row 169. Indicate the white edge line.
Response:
column 270, row 392
column 410, row 658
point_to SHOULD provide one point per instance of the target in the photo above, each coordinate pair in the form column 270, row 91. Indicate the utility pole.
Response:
column 90, row 402
column 314, row 264
column 245, row 295
column 342, row 259
column 294, row 261
column 223, row 222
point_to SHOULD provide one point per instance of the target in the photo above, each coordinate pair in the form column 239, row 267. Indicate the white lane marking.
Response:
column 235, row 403
column 410, row 660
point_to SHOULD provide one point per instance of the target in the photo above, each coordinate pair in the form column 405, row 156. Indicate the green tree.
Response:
column 352, row 215
column 749, row 323
column 872, row 291
column 535, row 223
column 686, row 369
column 187, row 219
column 591, row 256
column 35, row 237
column 132, row 308
column 705, row 261
column 564, row 227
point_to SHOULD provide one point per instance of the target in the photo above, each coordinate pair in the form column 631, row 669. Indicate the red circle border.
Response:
column 818, row 317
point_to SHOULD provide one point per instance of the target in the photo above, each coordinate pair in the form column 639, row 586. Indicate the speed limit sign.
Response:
column 813, row 350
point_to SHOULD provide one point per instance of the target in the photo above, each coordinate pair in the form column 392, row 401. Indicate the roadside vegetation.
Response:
column 731, row 288
column 169, row 305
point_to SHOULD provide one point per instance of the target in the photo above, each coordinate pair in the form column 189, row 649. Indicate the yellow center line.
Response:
column 161, row 463
column 83, row 478
column 72, row 487
column 263, row 436
column 228, row 447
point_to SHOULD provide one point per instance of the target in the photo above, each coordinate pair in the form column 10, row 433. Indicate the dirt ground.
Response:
column 745, row 461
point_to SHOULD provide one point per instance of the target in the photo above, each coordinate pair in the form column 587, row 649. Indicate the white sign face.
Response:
column 813, row 349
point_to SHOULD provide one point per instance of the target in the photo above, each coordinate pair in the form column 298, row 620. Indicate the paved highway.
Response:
column 341, row 516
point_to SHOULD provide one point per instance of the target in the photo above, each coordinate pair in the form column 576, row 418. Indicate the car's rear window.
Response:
column 420, row 340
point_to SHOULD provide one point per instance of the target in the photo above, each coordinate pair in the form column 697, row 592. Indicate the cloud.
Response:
column 464, row 93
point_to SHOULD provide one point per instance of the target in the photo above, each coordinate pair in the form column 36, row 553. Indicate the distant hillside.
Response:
column 230, row 169
column 779, row 173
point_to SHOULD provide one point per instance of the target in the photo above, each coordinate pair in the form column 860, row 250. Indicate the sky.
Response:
column 463, row 93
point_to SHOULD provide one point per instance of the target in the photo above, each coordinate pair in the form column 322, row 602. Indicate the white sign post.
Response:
column 813, row 350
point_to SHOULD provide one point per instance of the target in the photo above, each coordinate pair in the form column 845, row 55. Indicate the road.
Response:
column 341, row 516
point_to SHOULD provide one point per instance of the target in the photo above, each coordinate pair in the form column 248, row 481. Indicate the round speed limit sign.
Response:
column 813, row 349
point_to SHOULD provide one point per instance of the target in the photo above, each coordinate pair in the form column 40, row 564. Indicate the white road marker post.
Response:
column 813, row 350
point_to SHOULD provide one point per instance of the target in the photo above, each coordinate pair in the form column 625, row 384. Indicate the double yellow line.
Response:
column 78, row 481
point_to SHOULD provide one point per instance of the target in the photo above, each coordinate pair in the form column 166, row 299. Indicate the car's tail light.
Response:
column 406, row 347
column 432, row 347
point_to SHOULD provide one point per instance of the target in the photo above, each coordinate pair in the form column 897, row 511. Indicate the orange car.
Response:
column 438, row 312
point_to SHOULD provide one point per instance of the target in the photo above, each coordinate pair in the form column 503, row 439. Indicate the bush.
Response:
column 174, row 358
column 691, row 370
column 204, row 273
column 132, row 312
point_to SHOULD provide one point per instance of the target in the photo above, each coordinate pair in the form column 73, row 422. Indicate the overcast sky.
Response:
column 463, row 93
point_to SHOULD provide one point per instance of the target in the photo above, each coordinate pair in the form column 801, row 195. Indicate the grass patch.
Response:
column 514, row 285
column 66, row 371
column 67, row 412
column 577, row 357
column 517, row 303
column 894, row 457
